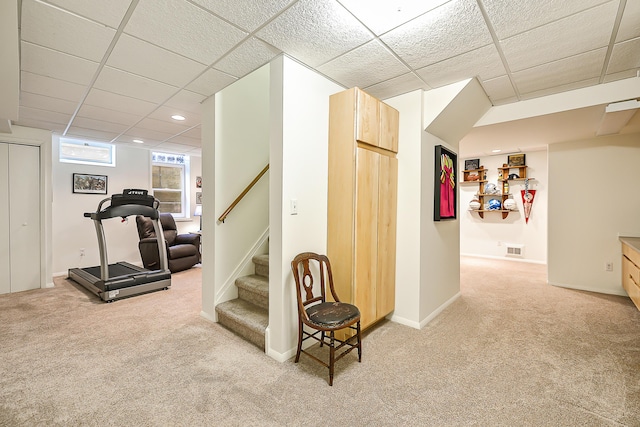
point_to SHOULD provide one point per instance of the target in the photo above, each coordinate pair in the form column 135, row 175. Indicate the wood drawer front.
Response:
column 631, row 280
column 632, row 254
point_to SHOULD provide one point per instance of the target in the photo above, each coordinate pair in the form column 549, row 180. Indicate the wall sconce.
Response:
column 616, row 116
column 198, row 212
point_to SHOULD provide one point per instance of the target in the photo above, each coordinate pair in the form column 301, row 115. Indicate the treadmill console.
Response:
column 132, row 196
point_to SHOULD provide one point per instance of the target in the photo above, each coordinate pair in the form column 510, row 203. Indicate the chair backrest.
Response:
column 169, row 228
column 312, row 273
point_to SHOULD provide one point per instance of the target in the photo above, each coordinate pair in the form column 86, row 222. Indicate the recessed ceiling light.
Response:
column 178, row 117
column 497, row 150
column 138, row 141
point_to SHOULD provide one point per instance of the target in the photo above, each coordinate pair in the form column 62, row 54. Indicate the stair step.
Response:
column 254, row 289
column 261, row 265
column 245, row 319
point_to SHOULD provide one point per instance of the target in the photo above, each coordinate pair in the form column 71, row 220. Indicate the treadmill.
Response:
column 121, row 280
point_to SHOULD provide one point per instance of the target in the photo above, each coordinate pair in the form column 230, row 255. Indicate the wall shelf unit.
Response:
column 504, row 174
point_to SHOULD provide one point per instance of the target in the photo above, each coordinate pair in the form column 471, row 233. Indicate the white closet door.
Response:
column 24, row 214
column 5, row 271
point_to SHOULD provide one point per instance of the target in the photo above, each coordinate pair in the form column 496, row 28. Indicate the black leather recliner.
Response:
column 183, row 250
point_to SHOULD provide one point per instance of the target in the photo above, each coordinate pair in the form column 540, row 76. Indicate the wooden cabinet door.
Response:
column 366, row 235
column 387, row 214
column 367, row 117
column 389, row 122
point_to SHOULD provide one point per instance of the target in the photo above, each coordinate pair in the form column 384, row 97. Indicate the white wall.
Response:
column 592, row 198
column 71, row 231
column 488, row 237
column 299, row 155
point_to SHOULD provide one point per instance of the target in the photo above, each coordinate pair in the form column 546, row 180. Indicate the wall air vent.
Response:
column 514, row 250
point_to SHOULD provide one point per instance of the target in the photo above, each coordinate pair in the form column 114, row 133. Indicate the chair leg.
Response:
column 359, row 342
column 321, row 338
column 299, row 341
column 332, row 356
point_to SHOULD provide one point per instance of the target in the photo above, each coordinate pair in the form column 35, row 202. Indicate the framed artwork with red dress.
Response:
column 445, row 188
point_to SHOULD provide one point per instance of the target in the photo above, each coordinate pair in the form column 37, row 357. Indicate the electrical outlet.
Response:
column 294, row 207
column 499, row 243
column 81, row 251
column 609, row 266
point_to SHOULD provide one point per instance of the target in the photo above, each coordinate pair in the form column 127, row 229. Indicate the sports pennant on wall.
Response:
column 527, row 200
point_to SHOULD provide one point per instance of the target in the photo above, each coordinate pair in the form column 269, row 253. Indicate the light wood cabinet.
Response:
column 362, row 199
column 631, row 268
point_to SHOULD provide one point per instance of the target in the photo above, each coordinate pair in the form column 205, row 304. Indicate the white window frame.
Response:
column 182, row 162
column 83, row 150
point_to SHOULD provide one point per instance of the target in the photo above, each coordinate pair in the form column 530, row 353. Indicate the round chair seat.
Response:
column 333, row 314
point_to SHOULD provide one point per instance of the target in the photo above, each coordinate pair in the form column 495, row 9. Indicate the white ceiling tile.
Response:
column 195, row 132
column 559, row 89
column 51, row 63
column 106, row 12
column 315, row 31
column 144, row 59
column 147, row 135
column 183, row 28
column 28, row 113
column 396, row 86
column 210, row 82
column 364, row 66
column 561, row 72
column 41, row 124
column 170, row 147
column 625, row 56
column 108, row 115
column 576, row 34
column 186, row 100
column 620, row 76
column 124, row 83
column 630, row 24
column 484, row 63
column 383, row 15
column 247, row 14
column 185, row 140
column 498, row 89
column 516, row 16
column 51, row 27
column 94, row 134
column 249, row 56
column 42, row 102
column 87, row 123
column 114, row 101
column 449, row 30
column 165, row 112
column 54, row 88
column 162, row 126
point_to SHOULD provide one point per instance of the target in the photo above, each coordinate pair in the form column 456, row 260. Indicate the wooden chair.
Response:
column 315, row 312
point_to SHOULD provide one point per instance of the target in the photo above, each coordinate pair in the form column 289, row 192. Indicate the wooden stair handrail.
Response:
column 244, row 192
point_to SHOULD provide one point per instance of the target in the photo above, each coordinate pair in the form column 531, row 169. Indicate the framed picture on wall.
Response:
column 516, row 160
column 199, row 198
column 89, row 184
column 445, row 190
column 471, row 164
column 198, row 182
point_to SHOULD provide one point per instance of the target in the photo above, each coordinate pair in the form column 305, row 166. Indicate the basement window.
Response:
column 87, row 152
column 169, row 173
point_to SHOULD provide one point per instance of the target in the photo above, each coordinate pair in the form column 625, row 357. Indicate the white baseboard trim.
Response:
column 439, row 310
column 211, row 318
column 504, row 258
column 406, row 322
column 621, row 292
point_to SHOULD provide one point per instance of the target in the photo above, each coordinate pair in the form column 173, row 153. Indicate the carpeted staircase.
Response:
column 248, row 315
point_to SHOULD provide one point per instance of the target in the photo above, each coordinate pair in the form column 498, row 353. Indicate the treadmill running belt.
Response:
column 115, row 270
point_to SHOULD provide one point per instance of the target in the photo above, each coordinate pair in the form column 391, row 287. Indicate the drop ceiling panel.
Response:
column 147, row 135
column 249, row 56
column 87, row 123
column 210, row 82
column 98, row 135
column 396, row 86
column 561, row 39
column 387, row 15
column 619, row 76
column 170, row 147
column 193, row 133
column 499, row 89
column 183, row 28
column 186, row 100
column 185, row 140
column 144, row 59
column 27, row 113
column 107, row 115
column 161, row 126
column 563, row 88
column 364, row 66
column 558, row 73
column 51, row 63
column 516, row 16
column 315, row 31
column 41, row 102
column 247, row 14
column 485, row 63
column 51, row 27
column 114, row 101
column 625, row 56
column 41, row 124
column 165, row 112
column 41, row 85
column 106, row 12
column 630, row 24
column 449, row 30
column 123, row 83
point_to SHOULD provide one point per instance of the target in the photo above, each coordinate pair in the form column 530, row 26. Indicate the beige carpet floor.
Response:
column 511, row 351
